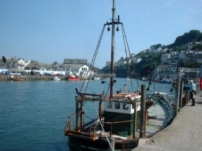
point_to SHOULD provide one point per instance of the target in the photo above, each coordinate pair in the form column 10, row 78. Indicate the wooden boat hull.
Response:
column 84, row 144
column 122, row 135
column 16, row 79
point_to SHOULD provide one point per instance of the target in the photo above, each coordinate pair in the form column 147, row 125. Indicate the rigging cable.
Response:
column 91, row 67
column 127, row 51
column 130, row 55
column 103, row 128
column 107, row 8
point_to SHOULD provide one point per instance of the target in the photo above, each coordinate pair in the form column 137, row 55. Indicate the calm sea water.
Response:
column 33, row 113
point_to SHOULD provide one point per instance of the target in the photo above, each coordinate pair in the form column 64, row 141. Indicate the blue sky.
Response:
column 52, row 30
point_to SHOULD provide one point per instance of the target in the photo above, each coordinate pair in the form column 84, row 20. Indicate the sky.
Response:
column 54, row 30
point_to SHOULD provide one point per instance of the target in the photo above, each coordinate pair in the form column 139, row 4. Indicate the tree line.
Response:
column 151, row 60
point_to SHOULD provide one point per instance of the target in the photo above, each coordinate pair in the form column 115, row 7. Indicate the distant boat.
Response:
column 144, row 79
column 96, row 78
column 128, row 79
column 164, row 80
column 72, row 77
column 56, row 78
column 15, row 78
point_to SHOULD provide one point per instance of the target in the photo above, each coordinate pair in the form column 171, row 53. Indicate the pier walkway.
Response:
column 183, row 134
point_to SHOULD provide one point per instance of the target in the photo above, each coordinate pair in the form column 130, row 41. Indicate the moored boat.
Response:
column 165, row 80
column 72, row 78
column 13, row 78
column 56, row 78
column 144, row 79
column 117, row 117
column 96, row 78
column 128, row 79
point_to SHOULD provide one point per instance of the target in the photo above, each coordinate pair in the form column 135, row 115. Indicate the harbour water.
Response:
column 33, row 113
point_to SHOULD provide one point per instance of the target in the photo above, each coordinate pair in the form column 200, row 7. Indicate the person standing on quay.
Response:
column 192, row 92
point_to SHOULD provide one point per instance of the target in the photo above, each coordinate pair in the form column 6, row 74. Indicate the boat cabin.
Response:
column 118, row 107
column 119, row 115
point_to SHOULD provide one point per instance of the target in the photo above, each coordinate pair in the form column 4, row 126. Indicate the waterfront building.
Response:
column 172, row 71
column 15, row 63
column 78, row 67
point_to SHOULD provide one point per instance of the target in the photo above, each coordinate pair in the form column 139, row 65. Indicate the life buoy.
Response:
column 201, row 83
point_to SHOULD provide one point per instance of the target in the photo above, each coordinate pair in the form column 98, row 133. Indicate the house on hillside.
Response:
column 33, row 65
column 165, row 58
column 122, row 62
column 15, row 63
column 136, row 59
column 55, row 66
column 108, row 63
column 3, row 67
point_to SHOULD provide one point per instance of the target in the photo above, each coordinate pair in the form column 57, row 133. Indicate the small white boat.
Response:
column 164, row 80
column 96, row 78
column 144, row 79
column 56, row 78
column 127, row 79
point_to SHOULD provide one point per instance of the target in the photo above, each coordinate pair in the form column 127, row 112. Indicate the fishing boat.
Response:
column 56, row 78
column 72, row 78
column 116, row 119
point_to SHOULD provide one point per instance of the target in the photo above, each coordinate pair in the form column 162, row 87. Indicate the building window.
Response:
column 125, row 106
column 117, row 105
column 109, row 105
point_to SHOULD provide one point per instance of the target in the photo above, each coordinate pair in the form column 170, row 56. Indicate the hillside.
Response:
column 150, row 60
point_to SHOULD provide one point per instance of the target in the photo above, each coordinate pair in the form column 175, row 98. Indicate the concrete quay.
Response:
column 183, row 134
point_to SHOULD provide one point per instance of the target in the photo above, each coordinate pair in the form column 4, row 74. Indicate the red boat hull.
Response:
column 71, row 78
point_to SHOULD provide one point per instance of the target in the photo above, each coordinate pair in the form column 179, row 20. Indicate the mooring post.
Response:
column 187, row 97
column 100, row 110
column 143, row 111
column 177, row 96
column 81, row 116
column 135, row 119
column 100, row 115
column 77, row 115
column 181, row 93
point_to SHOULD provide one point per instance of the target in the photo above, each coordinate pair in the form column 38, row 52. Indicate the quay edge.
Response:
column 184, row 133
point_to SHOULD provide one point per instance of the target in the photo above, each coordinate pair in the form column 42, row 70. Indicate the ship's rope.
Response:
column 88, row 117
column 106, row 91
column 126, row 45
column 91, row 67
column 107, row 8
column 103, row 127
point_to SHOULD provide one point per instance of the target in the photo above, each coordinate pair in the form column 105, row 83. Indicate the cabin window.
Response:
column 109, row 105
column 117, row 105
column 125, row 106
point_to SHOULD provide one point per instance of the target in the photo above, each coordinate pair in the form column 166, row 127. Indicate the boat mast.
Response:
column 112, row 49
